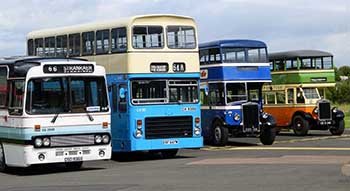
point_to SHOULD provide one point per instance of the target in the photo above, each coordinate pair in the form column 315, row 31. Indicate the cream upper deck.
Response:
column 134, row 60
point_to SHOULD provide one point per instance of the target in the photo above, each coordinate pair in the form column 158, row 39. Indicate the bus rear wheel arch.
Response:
column 300, row 125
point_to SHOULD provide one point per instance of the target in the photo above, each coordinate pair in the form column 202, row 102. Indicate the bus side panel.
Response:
column 284, row 115
column 208, row 118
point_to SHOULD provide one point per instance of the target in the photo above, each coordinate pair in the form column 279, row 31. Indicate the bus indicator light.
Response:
column 37, row 127
column 105, row 125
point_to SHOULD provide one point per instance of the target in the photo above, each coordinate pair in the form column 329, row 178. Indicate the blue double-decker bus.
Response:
column 232, row 75
column 153, row 76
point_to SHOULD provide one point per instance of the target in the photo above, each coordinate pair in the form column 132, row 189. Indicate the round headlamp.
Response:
column 105, row 139
column 98, row 139
column 46, row 141
column 237, row 117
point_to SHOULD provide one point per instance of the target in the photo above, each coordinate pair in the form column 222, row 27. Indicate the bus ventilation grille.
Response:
column 168, row 127
column 72, row 140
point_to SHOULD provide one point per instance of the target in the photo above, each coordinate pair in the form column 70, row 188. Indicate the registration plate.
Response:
column 73, row 159
column 171, row 142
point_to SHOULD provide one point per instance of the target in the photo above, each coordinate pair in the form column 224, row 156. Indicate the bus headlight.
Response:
column 98, row 139
column 46, row 142
column 38, row 142
column 334, row 110
column 237, row 117
column 197, row 131
column 105, row 139
column 138, row 133
column 265, row 115
column 316, row 110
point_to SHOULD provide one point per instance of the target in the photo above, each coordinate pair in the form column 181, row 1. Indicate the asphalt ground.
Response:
column 315, row 162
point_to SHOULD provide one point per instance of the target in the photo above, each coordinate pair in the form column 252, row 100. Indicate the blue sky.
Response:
column 282, row 24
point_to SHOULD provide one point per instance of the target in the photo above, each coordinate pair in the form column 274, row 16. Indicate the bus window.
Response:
column 183, row 91
column 115, row 97
column 235, row 92
column 311, row 93
column 203, row 98
column 271, row 66
column 280, row 97
column 253, row 55
column 3, row 87
column 217, row 94
column 88, row 41
column 300, row 97
column 74, row 44
column 279, row 65
column 149, row 91
column 148, row 37
column 122, row 103
column 118, row 40
column 290, row 65
column 306, row 63
column 203, row 54
column 327, row 62
column 290, row 96
column 317, row 62
column 181, row 37
column 50, row 46
column 61, row 46
column 233, row 55
column 30, row 47
column 214, row 55
column 17, row 94
column 102, row 41
column 270, row 98
column 263, row 55
column 39, row 47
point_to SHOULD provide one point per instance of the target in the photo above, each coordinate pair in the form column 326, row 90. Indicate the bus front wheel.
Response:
column 267, row 136
column 219, row 134
column 3, row 166
column 300, row 125
column 339, row 128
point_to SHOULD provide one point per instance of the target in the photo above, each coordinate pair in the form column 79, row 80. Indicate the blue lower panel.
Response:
column 156, row 144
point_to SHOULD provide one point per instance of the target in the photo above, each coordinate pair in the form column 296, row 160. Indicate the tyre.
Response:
column 219, row 134
column 73, row 165
column 267, row 136
column 3, row 166
column 169, row 153
column 300, row 125
column 339, row 128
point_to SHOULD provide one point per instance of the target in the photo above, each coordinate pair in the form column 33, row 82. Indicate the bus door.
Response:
column 119, row 116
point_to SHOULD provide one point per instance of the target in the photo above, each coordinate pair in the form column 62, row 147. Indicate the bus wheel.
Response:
column 220, row 134
column 3, row 166
column 74, row 165
column 267, row 136
column 300, row 126
column 339, row 128
column 169, row 153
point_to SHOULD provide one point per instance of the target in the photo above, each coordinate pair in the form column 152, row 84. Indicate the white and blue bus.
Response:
column 153, row 76
column 232, row 75
column 52, row 111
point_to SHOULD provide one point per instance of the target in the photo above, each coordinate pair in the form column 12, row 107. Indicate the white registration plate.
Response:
column 171, row 142
column 73, row 159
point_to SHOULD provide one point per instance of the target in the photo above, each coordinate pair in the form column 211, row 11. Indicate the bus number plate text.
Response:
column 170, row 142
column 73, row 159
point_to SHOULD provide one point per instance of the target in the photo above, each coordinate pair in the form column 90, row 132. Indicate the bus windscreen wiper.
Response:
column 89, row 116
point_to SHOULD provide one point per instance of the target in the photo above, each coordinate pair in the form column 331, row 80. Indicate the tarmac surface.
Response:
column 315, row 162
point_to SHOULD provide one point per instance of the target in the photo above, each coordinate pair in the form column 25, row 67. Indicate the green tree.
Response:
column 344, row 71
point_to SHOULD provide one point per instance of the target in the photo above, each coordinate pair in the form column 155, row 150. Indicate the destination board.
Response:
column 68, row 68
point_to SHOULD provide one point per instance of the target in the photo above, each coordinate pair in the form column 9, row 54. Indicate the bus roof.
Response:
column 298, row 54
column 19, row 65
column 233, row 43
column 100, row 25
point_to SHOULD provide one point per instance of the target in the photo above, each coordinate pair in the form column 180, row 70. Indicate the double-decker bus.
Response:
column 232, row 75
column 297, row 95
column 52, row 111
column 152, row 72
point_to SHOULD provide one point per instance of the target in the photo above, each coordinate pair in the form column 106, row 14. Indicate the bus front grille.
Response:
column 72, row 140
column 250, row 117
column 168, row 127
column 324, row 110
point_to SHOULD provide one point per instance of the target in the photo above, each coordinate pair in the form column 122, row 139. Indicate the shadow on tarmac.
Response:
column 44, row 170
column 141, row 156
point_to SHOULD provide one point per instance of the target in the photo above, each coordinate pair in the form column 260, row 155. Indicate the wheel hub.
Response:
column 217, row 133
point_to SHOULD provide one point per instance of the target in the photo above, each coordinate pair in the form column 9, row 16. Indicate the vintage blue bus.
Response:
column 153, row 76
column 232, row 75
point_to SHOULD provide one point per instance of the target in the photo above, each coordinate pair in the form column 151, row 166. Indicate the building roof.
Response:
column 234, row 43
column 298, row 54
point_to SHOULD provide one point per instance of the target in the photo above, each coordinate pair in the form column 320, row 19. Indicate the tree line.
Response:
column 341, row 93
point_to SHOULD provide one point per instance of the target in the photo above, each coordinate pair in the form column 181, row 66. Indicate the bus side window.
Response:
column 122, row 98
column 280, row 97
column 290, row 94
column 16, row 99
column 3, row 87
column 203, row 98
column 270, row 98
column 300, row 96
column 114, row 97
